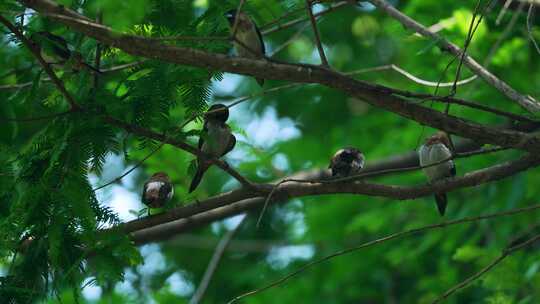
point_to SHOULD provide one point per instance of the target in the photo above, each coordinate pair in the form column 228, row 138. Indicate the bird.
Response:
column 56, row 52
column 437, row 148
column 249, row 35
column 215, row 141
column 346, row 161
column 158, row 190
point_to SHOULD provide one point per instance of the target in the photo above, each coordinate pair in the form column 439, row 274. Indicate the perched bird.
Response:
column 346, row 161
column 157, row 191
column 55, row 51
column 437, row 148
column 215, row 141
column 247, row 32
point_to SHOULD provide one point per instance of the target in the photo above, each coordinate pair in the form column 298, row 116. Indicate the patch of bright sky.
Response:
column 91, row 292
column 180, row 285
column 126, row 287
column 280, row 161
column 154, row 261
column 117, row 196
column 280, row 257
column 296, row 219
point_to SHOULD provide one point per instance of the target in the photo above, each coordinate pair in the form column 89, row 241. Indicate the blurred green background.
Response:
column 278, row 134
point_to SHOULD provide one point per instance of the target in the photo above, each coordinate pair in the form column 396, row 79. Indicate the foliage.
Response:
column 51, row 243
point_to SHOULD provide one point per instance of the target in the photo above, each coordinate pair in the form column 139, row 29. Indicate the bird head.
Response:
column 231, row 15
column 218, row 112
column 160, row 176
column 440, row 137
column 243, row 18
column 348, row 154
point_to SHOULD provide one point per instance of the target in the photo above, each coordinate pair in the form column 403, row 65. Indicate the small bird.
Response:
column 346, row 161
column 437, row 148
column 157, row 191
column 249, row 35
column 215, row 141
column 55, row 51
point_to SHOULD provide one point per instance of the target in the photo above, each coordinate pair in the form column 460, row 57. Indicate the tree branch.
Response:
column 313, row 21
column 506, row 252
column 179, row 144
column 526, row 102
column 379, row 241
column 35, row 51
column 240, row 201
column 212, row 266
column 376, row 95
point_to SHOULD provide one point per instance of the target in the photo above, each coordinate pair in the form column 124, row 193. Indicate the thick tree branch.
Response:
column 526, row 102
column 376, row 95
column 228, row 204
column 404, row 160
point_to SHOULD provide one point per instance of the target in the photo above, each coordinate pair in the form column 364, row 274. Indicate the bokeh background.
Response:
column 295, row 129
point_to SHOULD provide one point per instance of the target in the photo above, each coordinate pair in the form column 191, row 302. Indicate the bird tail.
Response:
column 201, row 168
column 260, row 81
column 441, row 200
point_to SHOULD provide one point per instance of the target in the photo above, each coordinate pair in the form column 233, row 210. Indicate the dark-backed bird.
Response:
column 251, row 43
column 216, row 140
column 346, row 161
column 436, row 149
column 157, row 191
column 56, row 52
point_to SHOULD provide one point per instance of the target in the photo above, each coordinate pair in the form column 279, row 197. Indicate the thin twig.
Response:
column 530, row 13
column 527, row 102
column 97, row 61
column 313, row 21
column 503, row 11
column 492, row 51
column 104, row 71
column 468, row 40
column 214, row 261
column 381, row 240
column 431, row 83
column 236, row 19
column 282, row 17
column 279, row 27
column 131, row 169
column 506, row 252
column 30, row 45
column 290, row 40
column 399, row 170
column 163, row 138
column 32, row 119
column 192, row 38
column 370, row 174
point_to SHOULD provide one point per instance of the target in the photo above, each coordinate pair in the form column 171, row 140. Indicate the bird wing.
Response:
column 204, row 132
column 232, row 143
column 143, row 197
column 423, row 155
column 164, row 191
column 263, row 50
column 453, row 168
